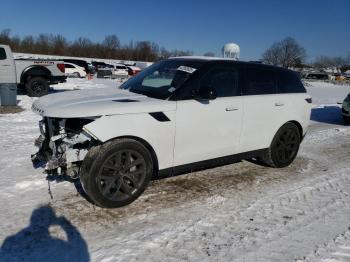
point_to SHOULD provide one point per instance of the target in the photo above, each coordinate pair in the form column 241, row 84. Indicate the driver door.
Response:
column 208, row 129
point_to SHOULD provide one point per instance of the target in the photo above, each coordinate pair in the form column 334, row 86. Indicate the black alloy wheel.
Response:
column 116, row 173
column 284, row 147
column 121, row 175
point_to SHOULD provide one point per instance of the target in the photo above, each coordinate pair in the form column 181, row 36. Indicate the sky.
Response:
column 322, row 26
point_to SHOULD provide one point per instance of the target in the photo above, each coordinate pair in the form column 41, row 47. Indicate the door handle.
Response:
column 279, row 104
column 5, row 65
column 232, row 108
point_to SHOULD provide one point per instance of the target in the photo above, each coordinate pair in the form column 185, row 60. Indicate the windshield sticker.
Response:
column 171, row 89
column 187, row 69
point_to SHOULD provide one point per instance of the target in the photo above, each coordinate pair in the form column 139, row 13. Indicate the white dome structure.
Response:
column 231, row 50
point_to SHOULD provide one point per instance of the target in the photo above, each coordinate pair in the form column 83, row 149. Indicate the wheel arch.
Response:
column 299, row 126
column 34, row 71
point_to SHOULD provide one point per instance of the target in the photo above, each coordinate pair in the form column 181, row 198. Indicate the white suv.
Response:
column 177, row 116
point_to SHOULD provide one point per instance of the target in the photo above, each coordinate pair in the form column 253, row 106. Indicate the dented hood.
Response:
column 98, row 102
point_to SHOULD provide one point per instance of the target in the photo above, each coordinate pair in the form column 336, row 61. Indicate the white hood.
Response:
column 98, row 102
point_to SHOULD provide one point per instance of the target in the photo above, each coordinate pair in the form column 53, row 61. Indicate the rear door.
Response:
column 207, row 129
column 7, row 66
column 261, row 109
column 292, row 98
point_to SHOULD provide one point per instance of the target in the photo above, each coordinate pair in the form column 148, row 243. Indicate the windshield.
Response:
column 161, row 79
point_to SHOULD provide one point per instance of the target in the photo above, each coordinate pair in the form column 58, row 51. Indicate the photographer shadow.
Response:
column 35, row 243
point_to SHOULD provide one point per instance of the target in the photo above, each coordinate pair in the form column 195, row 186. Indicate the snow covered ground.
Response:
column 240, row 212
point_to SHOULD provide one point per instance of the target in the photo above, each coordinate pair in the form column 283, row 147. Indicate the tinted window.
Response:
column 68, row 66
column 2, row 54
column 223, row 80
column 289, row 82
column 259, row 81
column 163, row 78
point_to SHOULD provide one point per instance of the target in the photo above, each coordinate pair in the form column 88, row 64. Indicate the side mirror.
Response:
column 204, row 93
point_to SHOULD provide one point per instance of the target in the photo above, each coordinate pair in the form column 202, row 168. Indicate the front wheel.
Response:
column 284, row 147
column 116, row 173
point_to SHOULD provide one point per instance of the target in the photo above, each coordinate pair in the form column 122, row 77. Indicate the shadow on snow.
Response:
column 35, row 243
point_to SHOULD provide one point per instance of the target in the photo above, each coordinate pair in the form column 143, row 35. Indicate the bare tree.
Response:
column 286, row 53
column 27, row 44
column 43, row 44
column 111, row 43
column 326, row 62
column 59, row 45
column 5, row 37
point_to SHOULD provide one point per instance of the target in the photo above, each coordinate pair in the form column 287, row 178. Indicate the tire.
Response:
column 109, row 175
column 76, row 75
column 284, row 147
column 346, row 120
column 37, row 86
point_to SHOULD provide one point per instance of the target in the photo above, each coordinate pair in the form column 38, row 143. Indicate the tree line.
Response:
column 109, row 48
column 289, row 53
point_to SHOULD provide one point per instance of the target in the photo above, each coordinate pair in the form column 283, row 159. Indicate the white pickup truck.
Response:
column 33, row 75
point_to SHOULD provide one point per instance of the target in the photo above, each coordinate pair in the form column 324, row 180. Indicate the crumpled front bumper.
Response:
column 58, row 150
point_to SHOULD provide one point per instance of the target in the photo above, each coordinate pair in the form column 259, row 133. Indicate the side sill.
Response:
column 211, row 163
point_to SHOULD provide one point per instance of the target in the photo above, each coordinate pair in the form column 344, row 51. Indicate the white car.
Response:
column 176, row 116
column 73, row 70
column 120, row 71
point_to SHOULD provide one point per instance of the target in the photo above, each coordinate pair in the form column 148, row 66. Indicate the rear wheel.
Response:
column 116, row 173
column 37, row 86
column 76, row 74
column 284, row 146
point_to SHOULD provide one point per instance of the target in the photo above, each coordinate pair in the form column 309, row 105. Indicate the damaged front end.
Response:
column 62, row 145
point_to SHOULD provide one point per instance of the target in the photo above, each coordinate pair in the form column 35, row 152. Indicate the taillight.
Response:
column 309, row 100
column 61, row 67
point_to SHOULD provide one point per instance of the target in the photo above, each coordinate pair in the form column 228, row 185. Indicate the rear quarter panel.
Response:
column 296, row 108
column 262, row 118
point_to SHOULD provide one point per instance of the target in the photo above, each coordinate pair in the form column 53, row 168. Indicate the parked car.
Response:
column 119, row 71
column 346, row 109
column 33, row 75
column 317, row 75
column 73, row 70
column 143, row 65
column 98, row 65
column 133, row 70
column 176, row 116
column 81, row 63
